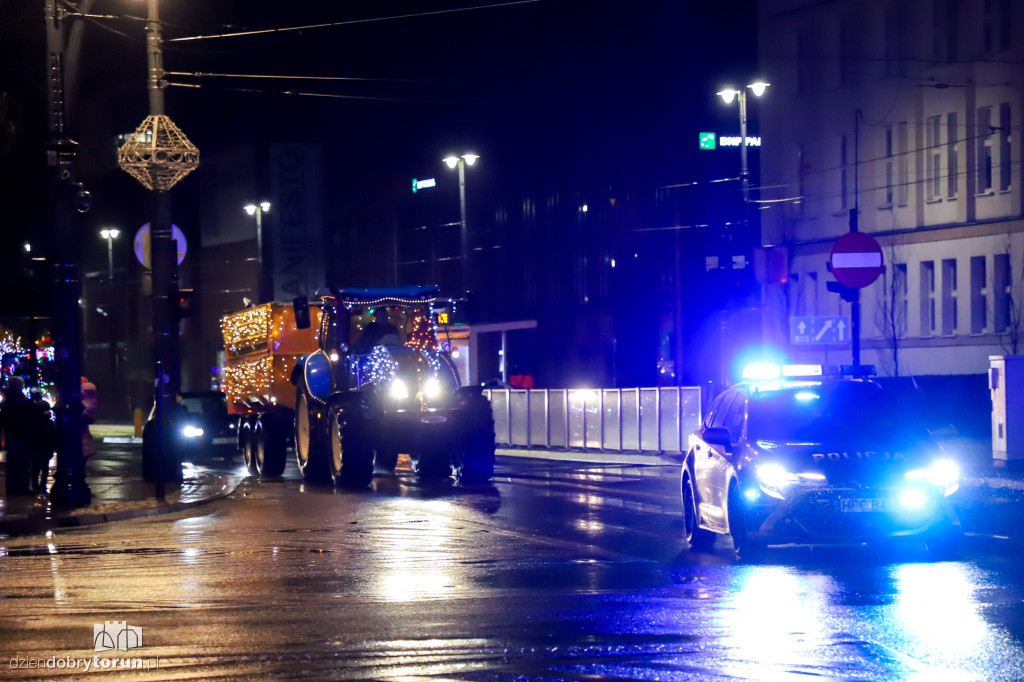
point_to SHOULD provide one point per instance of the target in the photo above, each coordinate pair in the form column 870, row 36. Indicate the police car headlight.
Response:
column 398, row 390
column 192, row 431
column 943, row 473
column 773, row 477
column 432, row 387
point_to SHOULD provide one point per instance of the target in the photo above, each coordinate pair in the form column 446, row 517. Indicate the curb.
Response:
column 28, row 525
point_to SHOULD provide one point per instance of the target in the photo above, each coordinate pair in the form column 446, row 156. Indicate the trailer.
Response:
column 262, row 346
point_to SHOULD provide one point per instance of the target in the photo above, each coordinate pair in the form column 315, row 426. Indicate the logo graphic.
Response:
column 116, row 634
column 707, row 140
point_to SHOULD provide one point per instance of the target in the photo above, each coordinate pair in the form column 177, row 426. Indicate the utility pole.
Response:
column 68, row 198
column 854, row 227
column 158, row 155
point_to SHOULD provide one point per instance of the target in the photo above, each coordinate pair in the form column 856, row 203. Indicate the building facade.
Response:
column 909, row 112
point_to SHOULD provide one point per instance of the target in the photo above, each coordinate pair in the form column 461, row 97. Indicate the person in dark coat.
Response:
column 42, row 450
column 20, row 421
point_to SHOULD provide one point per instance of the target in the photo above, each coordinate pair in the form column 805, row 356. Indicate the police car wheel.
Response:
column 744, row 545
column 698, row 538
column 944, row 542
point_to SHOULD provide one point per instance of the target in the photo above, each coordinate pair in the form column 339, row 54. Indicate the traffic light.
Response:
column 848, row 294
column 185, row 303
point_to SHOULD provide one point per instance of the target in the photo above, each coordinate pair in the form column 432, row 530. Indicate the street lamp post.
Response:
column 263, row 287
column 110, row 234
column 461, row 162
column 728, row 95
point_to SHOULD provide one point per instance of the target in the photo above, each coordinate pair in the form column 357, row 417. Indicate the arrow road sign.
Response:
column 818, row 330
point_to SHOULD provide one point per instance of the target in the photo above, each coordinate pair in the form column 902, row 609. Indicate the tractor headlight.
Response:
column 432, row 387
column 943, row 473
column 398, row 390
column 192, row 431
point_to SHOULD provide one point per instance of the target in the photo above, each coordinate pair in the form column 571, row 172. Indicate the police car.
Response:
column 798, row 454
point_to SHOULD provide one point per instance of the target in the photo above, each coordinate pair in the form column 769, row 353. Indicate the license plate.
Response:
column 868, row 504
column 434, row 419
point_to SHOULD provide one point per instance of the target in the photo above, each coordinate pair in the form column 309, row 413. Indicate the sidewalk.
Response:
column 118, row 491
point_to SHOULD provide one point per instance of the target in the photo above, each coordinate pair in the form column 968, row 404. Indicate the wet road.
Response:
column 556, row 571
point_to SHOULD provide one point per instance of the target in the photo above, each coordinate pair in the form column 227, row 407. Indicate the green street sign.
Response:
column 707, row 140
column 417, row 185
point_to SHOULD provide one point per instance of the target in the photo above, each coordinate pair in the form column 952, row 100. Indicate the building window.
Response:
column 811, row 292
column 979, row 295
column 952, row 162
column 933, row 154
column 889, row 166
column 997, row 26
column 949, row 303
column 902, row 164
column 1002, row 292
column 900, row 275
column 927, row 298
column 944, row 26
column 984, row 145
column 801, row 179
column 1005, row 142
column 843, row 171
column 896, row 39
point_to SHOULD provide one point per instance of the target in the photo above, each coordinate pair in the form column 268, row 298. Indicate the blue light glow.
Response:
column 913, row 499
column 806, row 396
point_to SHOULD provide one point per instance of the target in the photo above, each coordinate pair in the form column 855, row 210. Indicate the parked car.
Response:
column 815, row 458
column 204, row 426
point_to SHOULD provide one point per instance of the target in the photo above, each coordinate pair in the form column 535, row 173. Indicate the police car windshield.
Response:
column 813, row 412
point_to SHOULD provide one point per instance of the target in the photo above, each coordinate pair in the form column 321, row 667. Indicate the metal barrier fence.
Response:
column 614, row 419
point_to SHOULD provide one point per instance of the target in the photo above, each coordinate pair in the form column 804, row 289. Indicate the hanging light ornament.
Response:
column 158, row 154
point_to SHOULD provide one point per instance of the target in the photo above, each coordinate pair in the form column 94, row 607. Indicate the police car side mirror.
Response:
column 716, row 435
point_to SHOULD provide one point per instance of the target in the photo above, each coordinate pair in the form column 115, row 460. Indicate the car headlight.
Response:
column 398, row 390
column 773, row 478
column 192, row 431
column 943, row 473
column 432, row 387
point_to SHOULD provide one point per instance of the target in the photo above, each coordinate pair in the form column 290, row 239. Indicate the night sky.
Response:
column 550, row 93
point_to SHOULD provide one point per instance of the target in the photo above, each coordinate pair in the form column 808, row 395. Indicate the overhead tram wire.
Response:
column 204, row 74
column 349, row 22
column 312, row 94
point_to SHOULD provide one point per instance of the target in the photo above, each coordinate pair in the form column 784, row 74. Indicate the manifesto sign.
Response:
column 298, row 249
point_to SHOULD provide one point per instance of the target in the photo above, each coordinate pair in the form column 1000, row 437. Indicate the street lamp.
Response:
column 728, row 95
column 461, row 162
column 110, row 234
column 258, row 210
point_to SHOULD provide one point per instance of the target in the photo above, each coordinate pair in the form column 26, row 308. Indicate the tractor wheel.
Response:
column 245, row 440
column 311, row 451
column 351, row 460
column 473, row 457
column 270, row 451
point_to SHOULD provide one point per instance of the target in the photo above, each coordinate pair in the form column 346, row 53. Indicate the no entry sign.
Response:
column 856, row 259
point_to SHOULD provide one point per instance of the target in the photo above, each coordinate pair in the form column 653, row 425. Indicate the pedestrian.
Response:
column 19, row 420
column 90, row 404
column 42, row 448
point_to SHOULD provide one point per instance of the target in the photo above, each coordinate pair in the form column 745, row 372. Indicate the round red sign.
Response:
column 856, row 259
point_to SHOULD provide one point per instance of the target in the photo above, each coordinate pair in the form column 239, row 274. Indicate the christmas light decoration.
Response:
column 248, row 330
